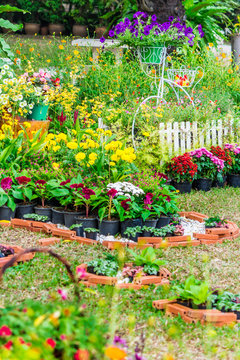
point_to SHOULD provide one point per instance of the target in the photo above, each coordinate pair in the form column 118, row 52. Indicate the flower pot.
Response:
column 79, row 231
column 39, row 112
column 56, row 29
column 31, row 28
column 183, row 187
column 44, row 211
column 57, row 216
column 163, row 221
column 149, row 223
column 129, row 223
column 135, row 238
column 109, row 227
column 44, row 30
column 90, row 222
column 6, row 213
column 203, row 184
column 79, row 30
column 151, row 54
column 220, row 184
column 69, row 217
column 91, row 235
column 24, row 209
column 234, row 180
column 100, row 31
column 35, row 126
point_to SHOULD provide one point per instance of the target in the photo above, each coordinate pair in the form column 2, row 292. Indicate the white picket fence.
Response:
column 179, row 137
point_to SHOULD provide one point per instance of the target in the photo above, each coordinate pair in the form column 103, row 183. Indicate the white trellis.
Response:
column 178, row 137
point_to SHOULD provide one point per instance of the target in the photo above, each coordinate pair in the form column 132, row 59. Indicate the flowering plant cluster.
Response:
column 209, row 165
column 144, row 30
column 233, row 151
column 182, row 168
column 224, row 155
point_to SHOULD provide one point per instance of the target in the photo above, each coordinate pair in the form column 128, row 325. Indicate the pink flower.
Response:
column 76, row 186
column 63, row 183
column 87, row 193
column 112, row 193
column 5, row 331
column 81, row 272
column 63, row 294
column 63, row 337
column 51, row 343
column 6, row 183
column 8, row 345
column 22, row 180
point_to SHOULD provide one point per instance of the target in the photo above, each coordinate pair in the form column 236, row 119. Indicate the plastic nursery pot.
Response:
column 203, row 184
column 163, row 221
column 183, row 187
column 24, row 209
column 69, row 217
column 149, row 223
column 234, row 180
column 90, row 222
column 91, row 235
column 39, row 112
column 109, row 227
column 135, row 238
column 79, row 231
column 44, row 211
column 6, row 213
column 129, row 223
column 57, row 216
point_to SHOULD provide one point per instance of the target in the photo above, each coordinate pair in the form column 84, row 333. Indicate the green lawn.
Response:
column 131, row 312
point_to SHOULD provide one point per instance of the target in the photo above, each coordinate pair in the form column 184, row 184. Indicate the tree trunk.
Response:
column 163, row 8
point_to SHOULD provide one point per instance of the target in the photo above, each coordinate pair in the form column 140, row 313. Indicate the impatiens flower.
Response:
column 63, row 183
column 8, row 345
column 6, row 183
column 125, row 205
column 112, row 193
column 51, row 343
column 5, row 331
column 63, row 294
column 114, row 353
column 81, row 354
column 40, row 183
column 22, row 180
column 81, row 272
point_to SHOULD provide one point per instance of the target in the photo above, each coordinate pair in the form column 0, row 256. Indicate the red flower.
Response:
column 65, row 182
column 40, row 183
column 6, row 183
column 81, row 355
column 76, row 186
column 87, row 193
column 51, row 343
column 125, row 205
column 8, row 345
column 56, row 82
column 112, row 193
column 5, row 331
column 22, row 180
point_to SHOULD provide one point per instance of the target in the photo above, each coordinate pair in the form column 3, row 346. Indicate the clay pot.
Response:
column 58, row 29
column 79, row 30
column 31, row 28
column 101, row 31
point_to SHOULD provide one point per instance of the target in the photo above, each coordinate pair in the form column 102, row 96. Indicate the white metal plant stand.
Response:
column 153, row 64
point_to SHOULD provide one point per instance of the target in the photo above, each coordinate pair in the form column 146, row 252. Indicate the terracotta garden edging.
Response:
column 191, row 316
column 92, row 279
column 17, row 249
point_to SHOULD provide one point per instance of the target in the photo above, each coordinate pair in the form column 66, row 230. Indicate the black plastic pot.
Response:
column 129, row 223
column 57, row 216
column 183, row 187
column 203, row 184
column 44, row 211
column 163, row 221
column 220, row 184
column 6, row 213
column 107, row 227
column 90, row 222
column 234, row 180
column 91, row 235
column 79, row 231
column 135, row 238
column 69, row 217
column 149, row 223
column 24, row 209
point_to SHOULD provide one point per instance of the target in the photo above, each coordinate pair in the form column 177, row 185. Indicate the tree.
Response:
column 163, row 8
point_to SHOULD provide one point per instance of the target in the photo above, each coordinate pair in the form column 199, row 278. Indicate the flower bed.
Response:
column 14, row 250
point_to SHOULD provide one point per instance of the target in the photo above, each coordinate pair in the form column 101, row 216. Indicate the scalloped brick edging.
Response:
column 17, row 249
column 205, row 316
column 93, row 280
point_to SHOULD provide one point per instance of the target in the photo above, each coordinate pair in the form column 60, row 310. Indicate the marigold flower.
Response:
column 72, row 145
column 80, row 156
column 115, row 353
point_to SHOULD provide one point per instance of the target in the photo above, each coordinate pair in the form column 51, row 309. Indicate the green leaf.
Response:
column 28, row 193
column 8, row 25
column 11, row 204
column 8, row 8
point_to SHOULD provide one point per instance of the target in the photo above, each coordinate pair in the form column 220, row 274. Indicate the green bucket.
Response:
column 39, row 112
column 151, row 54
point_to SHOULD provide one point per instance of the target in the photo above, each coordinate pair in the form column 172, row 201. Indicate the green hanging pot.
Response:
column 39, row 112
column 151, row 54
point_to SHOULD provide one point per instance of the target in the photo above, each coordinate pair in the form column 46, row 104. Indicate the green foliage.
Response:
column 35, row 217
column 132, row 231
column 147, row 257
column 164, row 231
column 90, row 230
column 227, row 301
column 103, row 267
column 215, row 221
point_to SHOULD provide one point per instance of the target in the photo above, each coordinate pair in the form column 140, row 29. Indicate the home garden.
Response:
column 119, row 183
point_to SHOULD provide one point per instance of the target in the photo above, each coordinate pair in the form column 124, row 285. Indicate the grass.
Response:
column 135, row 319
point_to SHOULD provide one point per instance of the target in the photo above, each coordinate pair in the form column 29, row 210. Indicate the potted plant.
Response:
column 91, row 233
column 53, row 11
column 31, row 18
column 224, row 155
column 78, row 228
column 133, row 233
column 24, row 192
column 215, row 222
column 79, row 28
column 209, row 168
column 108, row 221
column 86, row 197
column 42, row 192
column 165, row 205
column 36, row 217
column 182, row 170
column 7, row 203
column 234, row 172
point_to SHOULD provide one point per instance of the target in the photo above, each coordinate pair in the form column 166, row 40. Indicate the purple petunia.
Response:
column 102, row 39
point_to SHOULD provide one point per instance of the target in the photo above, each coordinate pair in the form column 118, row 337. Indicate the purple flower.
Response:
column 111, row 33
column 154, row 17
column 171, row 18
column 119, row 341
column 6, row 183
column 102, row 39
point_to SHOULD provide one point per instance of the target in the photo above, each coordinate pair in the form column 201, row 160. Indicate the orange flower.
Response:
column 81, row 355
column 18, row 52
column 31, row 49
column 114, row 353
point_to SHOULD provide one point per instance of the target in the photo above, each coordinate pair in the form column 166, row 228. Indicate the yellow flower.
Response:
column 72, row 145
column 31, row 49
column 76, row 52
column 61, row 47
column 48, row 60
column 93, row 156
column 74, row 132
column 145, row 133
column 108, row 133
column 223, row 55
column 91, row 162
column 80, row 156
column 112, row 163
column 2, row 136
column 55, row 166
column 230, row 71
column 100, row 130
column 114, row 353
column 27, row 124
column 56, row 148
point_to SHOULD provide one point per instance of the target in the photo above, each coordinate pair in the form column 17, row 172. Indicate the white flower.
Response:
column 10, row 74
column 4, row 102
column 21, row 104
column 9, row 110
column 24, row 103
column 3, row 72
column 6, row 66
column 31, row 106
column 20, row 97
column 5, row 81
